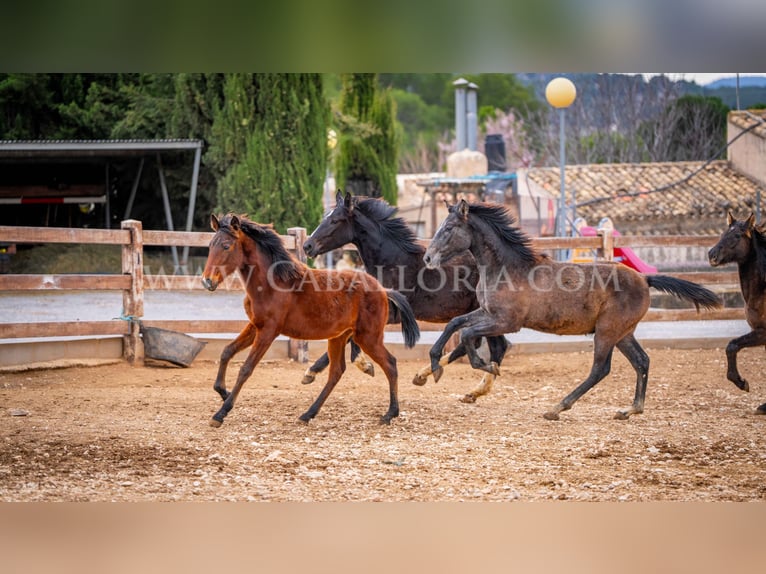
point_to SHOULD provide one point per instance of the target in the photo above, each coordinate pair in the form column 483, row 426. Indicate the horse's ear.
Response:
column 234, row 224
column 462, row 209
column 214, row 222
column 729, row 218
column 750, row 221
column 339, row 198
column 349, row 200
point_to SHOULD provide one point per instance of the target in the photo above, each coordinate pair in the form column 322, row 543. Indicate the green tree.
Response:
column 366, row 163
column 269, row 145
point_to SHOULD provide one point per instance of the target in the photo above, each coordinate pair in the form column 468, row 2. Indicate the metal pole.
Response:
column 472, row 117
column 562, row 195
column 460, row 120
column 192, row 201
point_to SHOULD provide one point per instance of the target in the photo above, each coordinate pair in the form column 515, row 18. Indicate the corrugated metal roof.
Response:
column 16, row 148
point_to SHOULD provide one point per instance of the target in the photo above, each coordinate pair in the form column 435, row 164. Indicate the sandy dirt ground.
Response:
column 119, row 433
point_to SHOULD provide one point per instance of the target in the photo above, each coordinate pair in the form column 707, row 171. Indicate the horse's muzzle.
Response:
column 209, row 284
column 310, row 248
column 713, row 258
column 431, row 261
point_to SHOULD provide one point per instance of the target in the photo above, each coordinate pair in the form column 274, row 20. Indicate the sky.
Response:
column 705, row 78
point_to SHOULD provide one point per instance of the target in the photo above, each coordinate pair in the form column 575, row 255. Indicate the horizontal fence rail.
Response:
column 132, row 282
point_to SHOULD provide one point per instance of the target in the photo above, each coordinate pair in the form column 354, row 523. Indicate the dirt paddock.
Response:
column 112, row 432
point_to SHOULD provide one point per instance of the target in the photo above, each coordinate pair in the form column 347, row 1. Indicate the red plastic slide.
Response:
column 624, row 255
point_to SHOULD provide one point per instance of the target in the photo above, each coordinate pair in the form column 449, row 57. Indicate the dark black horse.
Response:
column 391, row 252
column 523, row 288
column 744, row 244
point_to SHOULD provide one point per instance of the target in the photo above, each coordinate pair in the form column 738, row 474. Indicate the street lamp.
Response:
column 560, row 93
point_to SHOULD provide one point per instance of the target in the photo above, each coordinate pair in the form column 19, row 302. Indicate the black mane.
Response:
column 515, row 244
column 270, row 243
column 759, row 244
column 394, row 228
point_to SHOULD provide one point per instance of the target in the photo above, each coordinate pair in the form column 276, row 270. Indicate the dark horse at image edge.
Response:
column 391, row 253
column 523, row 288
column 285, row 297
column 745, row 244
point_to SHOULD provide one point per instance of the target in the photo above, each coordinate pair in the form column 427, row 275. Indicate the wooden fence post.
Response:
column 606, row 251
column 133, row 298
column 296, row 349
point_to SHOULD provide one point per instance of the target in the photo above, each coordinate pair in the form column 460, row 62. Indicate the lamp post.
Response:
column 560, row 93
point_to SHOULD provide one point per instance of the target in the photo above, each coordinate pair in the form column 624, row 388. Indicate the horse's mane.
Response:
column 284, row 265
column 394, row 228
column 759, row 243
column 515, row 244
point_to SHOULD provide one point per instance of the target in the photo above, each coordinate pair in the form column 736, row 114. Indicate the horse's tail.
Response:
column 686, row 290
column 399, row 310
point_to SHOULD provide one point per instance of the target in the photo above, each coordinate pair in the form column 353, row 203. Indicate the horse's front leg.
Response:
column 244, row 339
column 437, row 350
column 261, row 344
column 480, row 327
column 754, row 338
column 498, row 346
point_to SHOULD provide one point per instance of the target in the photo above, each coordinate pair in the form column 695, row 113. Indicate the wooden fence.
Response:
column 132, row 282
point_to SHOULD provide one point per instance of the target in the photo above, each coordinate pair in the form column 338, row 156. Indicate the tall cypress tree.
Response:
column 270, row 140
column 366, row 163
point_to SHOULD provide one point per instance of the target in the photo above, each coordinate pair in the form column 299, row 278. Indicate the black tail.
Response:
column 687, row 290
column 399, row 310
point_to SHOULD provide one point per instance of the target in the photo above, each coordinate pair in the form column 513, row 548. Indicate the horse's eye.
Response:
column 333, row 222
column 226, row 246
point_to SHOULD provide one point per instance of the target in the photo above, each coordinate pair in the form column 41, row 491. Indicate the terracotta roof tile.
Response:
column 746, row 118
column 625, row 193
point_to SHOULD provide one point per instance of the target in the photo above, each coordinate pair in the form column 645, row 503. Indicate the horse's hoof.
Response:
column 468, row 398
column 386, row 419
column 437, row 373
column 621, row 415
column 551, row 416
column 303, row 421
column 366, row 367
column 740, row 383
column 308, row 379
column 419, row 380
column 305, row 417
column 494, row 369
column 215, row 423
column 761, row 410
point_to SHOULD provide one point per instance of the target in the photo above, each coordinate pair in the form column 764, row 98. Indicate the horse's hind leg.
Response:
column 638, row 358
column 357, row 357
column 373, row 346
column 752, row 339
column 335, row 351
column 259, row 348
column 498, row 346
column 360, row 360
column 244, row 339
column 602, row 363
column 311, row 373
